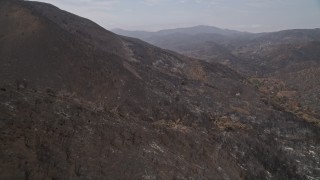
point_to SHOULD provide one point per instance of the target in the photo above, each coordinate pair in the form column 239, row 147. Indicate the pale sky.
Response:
column 152, row 15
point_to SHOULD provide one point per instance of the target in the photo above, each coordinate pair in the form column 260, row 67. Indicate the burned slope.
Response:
column 80, row 102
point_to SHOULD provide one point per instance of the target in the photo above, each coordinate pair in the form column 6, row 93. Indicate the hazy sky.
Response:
column 245, row 15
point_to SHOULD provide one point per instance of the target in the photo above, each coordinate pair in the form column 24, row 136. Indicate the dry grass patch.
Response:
column 226, row 123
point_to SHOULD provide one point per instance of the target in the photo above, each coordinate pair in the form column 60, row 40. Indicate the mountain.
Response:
column 283, row 55
column 80, row 102
column 185, row 40
column 171, row 38
column 201, row 29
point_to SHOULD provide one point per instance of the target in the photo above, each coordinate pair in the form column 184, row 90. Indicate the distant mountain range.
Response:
column 80, row 102
column 188, row 31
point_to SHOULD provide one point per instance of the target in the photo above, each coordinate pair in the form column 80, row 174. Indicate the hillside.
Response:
column 80, row 102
